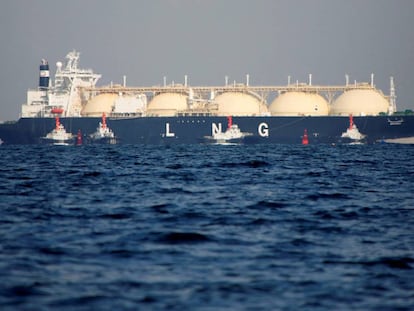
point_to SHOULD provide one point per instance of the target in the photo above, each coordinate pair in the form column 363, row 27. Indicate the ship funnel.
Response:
column 44, row 75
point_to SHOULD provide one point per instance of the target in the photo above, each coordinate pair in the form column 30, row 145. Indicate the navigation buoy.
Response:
column 305, row 140
column 79, row 138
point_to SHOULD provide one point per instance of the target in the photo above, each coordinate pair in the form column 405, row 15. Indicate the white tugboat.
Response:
column 232, row 135
column 103, row 133
column 59, row 136
column 352, row 134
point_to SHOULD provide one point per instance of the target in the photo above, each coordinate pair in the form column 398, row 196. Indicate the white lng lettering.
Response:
column 167, row 131
column 215, row 128
column 263, row 129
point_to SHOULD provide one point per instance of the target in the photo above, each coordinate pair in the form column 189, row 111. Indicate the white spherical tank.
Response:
column 360, row 103
column 299, row 104
column 167, row 104
column 239, row 104
column 102, row 103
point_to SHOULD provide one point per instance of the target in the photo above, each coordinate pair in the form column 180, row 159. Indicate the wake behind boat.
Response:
column 401, row 141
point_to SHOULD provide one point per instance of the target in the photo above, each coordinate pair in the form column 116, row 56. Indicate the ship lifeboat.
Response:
column 57, row 110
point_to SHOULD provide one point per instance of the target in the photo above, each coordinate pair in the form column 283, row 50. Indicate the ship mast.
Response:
column 393, row 97
column 68, row 79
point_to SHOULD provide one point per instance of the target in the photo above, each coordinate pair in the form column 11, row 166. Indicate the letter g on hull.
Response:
column 263, row 129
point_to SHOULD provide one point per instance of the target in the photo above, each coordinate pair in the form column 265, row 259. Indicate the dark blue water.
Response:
column 274, row 227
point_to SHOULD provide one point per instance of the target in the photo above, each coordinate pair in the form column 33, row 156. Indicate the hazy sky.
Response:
column 207, row 40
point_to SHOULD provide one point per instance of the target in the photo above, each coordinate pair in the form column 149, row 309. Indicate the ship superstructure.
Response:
column 64, row 94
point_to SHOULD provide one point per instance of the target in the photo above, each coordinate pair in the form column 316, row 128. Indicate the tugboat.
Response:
column 232, row 135
column 58, row 136
column 103, row 134
column 352, row 134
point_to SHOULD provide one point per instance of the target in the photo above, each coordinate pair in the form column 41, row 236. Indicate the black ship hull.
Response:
column 193, row 129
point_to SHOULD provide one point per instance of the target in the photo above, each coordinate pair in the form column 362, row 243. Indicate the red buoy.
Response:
column 305, row 140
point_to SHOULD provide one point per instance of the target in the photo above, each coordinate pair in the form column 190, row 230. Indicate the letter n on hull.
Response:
column 215, row 128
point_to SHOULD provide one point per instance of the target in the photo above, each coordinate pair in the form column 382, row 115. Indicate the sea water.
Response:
column 202, row 227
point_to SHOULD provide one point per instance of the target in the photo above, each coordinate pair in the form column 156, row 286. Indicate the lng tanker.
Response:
column 71, row 109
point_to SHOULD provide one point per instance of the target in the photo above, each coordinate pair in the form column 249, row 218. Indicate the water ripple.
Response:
column 207, row 227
